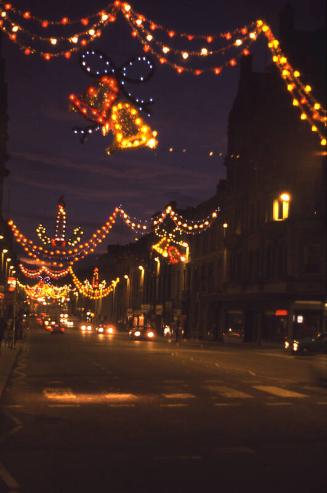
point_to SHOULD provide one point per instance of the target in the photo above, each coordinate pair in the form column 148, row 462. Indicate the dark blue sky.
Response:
column 47, row 160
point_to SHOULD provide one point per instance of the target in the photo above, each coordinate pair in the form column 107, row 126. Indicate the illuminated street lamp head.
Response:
column 4, row 251
column 126, row 277
column 225, row 225
column 157, row 260
column 1, row 237
column 8, row 259
column 141, row 268
column 285, row 197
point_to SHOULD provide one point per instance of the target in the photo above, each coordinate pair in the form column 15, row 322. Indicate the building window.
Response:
column 281, row 207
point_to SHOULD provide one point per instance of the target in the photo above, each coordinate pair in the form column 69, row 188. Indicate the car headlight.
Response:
column 83, row 327
column 100, row 329
column 150, row 334
column 137, row 333
column 110, row 330
column 286, row 344
column 89, row 327
column 295, row 345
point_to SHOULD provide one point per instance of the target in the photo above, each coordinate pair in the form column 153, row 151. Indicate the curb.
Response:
column 5, row 378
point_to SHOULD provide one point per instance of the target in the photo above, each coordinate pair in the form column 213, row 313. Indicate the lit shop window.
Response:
column 281, row 207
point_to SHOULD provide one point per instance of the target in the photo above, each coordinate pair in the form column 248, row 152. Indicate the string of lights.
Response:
column 43, row 290
column 44, row 270
column 143, row 28
column 97, row 293
column 61, row 257
column 184, row 225
column 302, row 98
column 12, row 24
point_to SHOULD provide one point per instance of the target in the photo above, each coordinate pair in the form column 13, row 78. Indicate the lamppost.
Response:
column 4, row 252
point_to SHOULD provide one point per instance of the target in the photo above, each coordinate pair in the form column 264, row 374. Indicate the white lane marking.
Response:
column 279, row 391
column 226, row 404
column 7, row 478
column 55, row 382
column 279, row 404
column 174, row 405
column 63, row 405
column 322, row 403
column 175, row 395
column 228, row 392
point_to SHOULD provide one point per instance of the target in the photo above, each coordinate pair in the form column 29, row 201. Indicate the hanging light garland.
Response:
column 184, row 225
column 59, row 256
column 96, row 293
column 238, row 42
column 90, row 28
column 43, row 290
column 36, row 273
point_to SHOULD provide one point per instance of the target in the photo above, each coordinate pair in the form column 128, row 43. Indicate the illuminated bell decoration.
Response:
column 129, row 129
column 100, row 104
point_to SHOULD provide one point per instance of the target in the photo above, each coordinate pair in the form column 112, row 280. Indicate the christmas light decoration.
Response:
column 184, row 225
column 234, row 44
column 60, row 256
column 93, row 293
column 42, row 290
column 237, row 43
column 36, row 273
column 100, row 103
column 16, row 25
column 169, row 248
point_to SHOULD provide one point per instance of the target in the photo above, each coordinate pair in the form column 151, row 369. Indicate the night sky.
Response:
column 47, row 159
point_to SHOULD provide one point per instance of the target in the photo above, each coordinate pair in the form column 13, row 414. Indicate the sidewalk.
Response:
column 8, row 359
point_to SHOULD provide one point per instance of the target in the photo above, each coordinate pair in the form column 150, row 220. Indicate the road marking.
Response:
column 174, row 405
column 59, row 393
column 228, row 392
column 279, row 391
column 322, row 403
column 278, row 404
column 116, row 396
column 178, row 396
column 7, row 478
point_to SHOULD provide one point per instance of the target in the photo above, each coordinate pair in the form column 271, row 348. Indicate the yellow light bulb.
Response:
column 185, row 55
column 296, row 73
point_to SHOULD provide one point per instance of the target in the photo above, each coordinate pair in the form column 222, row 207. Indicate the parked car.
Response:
column 307, row 345
column 142, row 333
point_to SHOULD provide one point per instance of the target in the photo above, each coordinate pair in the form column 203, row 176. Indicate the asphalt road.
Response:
column 85, row 413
